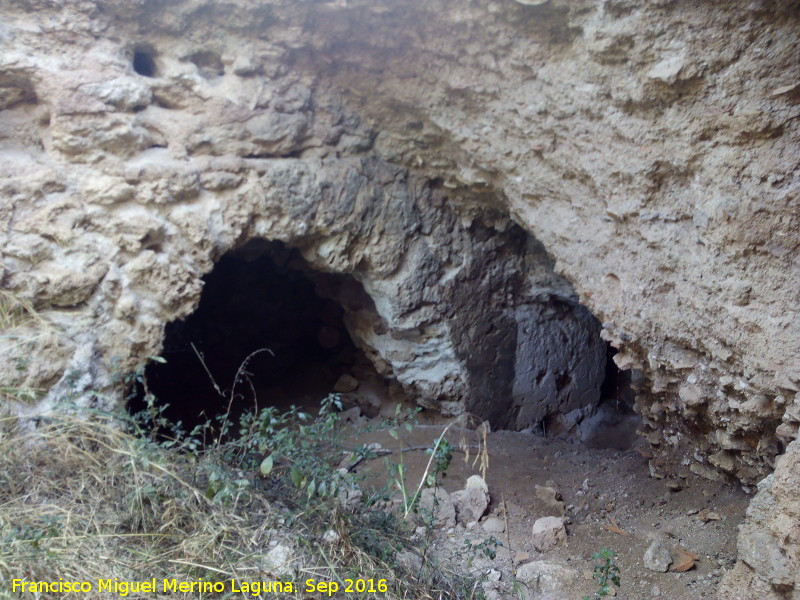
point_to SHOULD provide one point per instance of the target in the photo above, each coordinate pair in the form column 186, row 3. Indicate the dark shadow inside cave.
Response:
column 616, row 386
column 615, row 423
column 261, row 316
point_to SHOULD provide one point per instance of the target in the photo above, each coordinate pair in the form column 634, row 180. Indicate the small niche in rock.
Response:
column 262, row 335
column 208, row 63
column 144, row 61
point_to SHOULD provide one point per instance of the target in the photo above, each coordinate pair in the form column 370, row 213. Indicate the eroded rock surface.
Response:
column 477, row 168
column 769, row 541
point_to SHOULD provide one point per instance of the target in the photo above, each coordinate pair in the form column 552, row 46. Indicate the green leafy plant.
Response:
column 606, row 573
column 441, row 453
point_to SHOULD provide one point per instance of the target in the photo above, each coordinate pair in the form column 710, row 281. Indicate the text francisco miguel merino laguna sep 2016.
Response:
column 153, row 585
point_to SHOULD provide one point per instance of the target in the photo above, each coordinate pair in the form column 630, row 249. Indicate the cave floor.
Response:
column 601, row 489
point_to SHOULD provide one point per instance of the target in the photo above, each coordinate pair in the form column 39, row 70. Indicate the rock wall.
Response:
column 136, row 163
column 427, row 148
column 651, row 147
column 769, row 541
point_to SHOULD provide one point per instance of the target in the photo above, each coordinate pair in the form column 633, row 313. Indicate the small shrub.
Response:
column 606, row 573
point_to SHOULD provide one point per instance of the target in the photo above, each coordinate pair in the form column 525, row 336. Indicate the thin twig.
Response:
column 428, row 467
column 505, row 518
column 239, row 373
column 203, row 363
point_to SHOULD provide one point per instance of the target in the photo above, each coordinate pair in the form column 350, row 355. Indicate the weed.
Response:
column 135, row 497
column 606, row 573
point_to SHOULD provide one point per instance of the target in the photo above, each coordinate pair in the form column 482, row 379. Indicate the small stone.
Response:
column 244, row 65
column 551, row 498
column 351, row 415
column 655, row 592
column 330, row 537
column 493, row 575
column 411, row 561
column 278, row 561
column 521, row 557
column 658, row 557
column 548, row 532
column 667, row 70
column 706, row 472
column 543, row 576
column 471, row 502
column 491, row 594
column 708, row 515
column 346, row 383
column 785, row 89
column 350, row 498
column 494, row 525
column 123, row 93
column 438, row 504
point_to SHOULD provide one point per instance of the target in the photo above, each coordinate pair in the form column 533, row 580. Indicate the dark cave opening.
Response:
column 143, row 62
column 615, row 423
column 262, row 335
column 616, row 386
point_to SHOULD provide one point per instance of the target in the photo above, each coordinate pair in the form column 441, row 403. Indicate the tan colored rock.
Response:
column 769, row 540
column 345, row 384
column 547, row 533
column 471, row 502
column 550, row 500
column 655, row 181
column 544, row 576
column 493, row 525
column 658, row 557
column 438, row 505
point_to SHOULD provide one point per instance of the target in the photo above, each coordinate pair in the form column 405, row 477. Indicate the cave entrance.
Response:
column 615, row 423
column 267, row 332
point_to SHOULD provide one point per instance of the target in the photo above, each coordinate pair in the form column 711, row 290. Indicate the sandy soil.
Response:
column 599, row 487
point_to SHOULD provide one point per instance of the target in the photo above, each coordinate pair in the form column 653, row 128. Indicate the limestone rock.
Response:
column 769, row 540
column 667, row 70
column 410, row 560
column 548, row 532
column 244, row 65
column 658, row 557
column 494, row 525
column 121, row 93
column 438, row 504
column 277, row 133
column 471, row 502
column 350, row 498
column 427, row 185
column 89, row 138
column 345, row 384
column 330, row 536
column 279, row 561
column 551, row 501
column 106, row 189
column 544, row 576
column 69, row 282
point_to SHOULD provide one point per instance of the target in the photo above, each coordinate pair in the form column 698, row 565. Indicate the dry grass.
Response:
column 83, row 499
column 22, row 328
column 16, row 311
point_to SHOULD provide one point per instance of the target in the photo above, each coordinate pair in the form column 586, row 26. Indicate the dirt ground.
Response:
column 610, row 501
